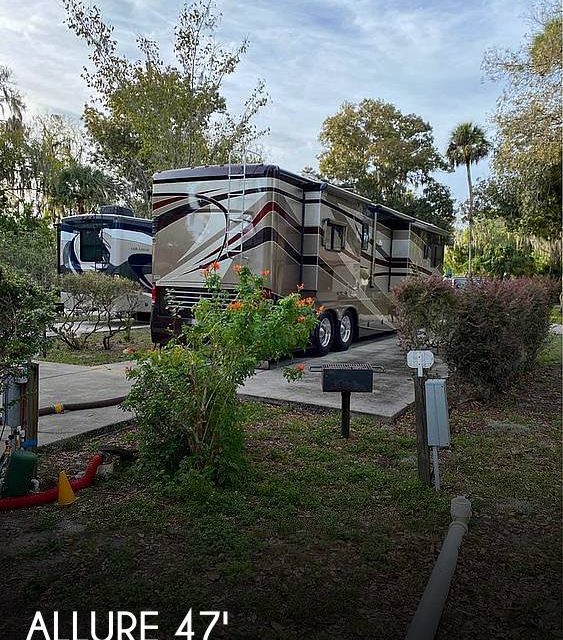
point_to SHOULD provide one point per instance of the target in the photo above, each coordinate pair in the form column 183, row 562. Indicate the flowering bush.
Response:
column 489, row 332
column 185, row 394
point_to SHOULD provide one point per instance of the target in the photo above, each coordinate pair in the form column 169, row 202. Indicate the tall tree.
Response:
column 499, row 250
column 378, row 151
column 11, row 101
column 78, row 188
column 467, row 146
column 435, row 205
column 146, row 115
column 528, row 149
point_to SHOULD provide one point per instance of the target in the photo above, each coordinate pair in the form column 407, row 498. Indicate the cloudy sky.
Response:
column 423, row 56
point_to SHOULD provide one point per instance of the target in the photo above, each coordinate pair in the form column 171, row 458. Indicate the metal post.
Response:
column 421, row 434
column 31, row 404
column 345, row 426
column 436, row 467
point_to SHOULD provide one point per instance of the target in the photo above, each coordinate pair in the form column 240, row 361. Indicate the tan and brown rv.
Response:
column 347, row 251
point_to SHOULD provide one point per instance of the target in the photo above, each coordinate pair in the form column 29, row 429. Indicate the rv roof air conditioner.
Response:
column 115, row 209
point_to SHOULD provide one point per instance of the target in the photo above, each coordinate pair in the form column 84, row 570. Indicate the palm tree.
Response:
column 81, row 187
column 468, row 145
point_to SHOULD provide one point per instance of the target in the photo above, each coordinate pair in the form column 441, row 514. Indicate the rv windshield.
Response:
column 91, row 246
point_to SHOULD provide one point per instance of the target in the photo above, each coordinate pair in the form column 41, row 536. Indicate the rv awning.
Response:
column 387, row 214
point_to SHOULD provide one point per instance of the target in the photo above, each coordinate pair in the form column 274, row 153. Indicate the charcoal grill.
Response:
column 345, row 378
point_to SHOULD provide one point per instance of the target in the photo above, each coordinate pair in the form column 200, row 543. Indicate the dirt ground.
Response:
column 326, row 539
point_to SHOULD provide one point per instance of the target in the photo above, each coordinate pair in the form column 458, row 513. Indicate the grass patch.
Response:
column 555, row 314
column 552, row 352
column 94, row 353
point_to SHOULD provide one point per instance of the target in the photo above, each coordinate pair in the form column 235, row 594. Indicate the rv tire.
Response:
column 323, row 336
column 345, row 332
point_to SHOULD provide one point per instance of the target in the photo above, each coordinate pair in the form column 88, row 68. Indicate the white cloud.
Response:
column 423, row 57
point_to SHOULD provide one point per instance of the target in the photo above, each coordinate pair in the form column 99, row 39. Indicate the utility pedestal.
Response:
column 422, row 451
column 421, row 361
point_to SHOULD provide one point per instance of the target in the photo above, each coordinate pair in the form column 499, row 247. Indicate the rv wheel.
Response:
column 324, row 334
column 344, row 335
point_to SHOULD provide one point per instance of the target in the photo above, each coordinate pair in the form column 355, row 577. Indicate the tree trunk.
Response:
column 470, row 218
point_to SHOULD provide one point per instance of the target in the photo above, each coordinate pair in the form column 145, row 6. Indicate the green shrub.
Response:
column 424, row 310
column 500, row 327
column 489, row 332
column 25, row 311
column 185, row 394
column 30, row 247
column 95, row 301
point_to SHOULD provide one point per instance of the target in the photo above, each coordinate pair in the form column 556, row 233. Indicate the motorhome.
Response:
column 346, row 252
column 111, row 240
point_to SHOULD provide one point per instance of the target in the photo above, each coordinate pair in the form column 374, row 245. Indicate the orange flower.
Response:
column 301, row 319
column 265, row 273
column 305, row 302
column 235, row 306
column 320, row 309
column 215, row 266
column 237, row 268
column 300, row 287
column 300, row 367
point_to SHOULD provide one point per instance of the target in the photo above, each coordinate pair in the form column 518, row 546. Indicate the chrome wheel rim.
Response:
column 345, row 328
column 325, row 332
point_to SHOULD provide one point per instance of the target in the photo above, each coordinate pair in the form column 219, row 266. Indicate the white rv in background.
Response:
column 346, row 251
column 111, row 240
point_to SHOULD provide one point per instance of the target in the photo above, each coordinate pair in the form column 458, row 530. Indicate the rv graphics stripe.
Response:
column 269, row 207
column 166, row 218
column 266, row 234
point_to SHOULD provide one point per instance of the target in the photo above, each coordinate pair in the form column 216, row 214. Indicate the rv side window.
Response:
column 91, row 245
column 335, row 236
column 437, row 254
column 365, row 236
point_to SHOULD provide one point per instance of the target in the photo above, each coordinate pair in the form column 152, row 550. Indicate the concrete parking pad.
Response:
column 75, row 383
column 393, row 389
column 392, row 393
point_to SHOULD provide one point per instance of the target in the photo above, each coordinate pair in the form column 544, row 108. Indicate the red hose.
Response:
column 34, row 499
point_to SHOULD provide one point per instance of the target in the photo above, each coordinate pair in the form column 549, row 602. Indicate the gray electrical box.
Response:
column 437, row 421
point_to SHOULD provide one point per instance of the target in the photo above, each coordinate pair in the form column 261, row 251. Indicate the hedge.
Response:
column 488, row 333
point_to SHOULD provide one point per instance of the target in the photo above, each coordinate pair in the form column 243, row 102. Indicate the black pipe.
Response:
column 80, row 406
column 345, row 424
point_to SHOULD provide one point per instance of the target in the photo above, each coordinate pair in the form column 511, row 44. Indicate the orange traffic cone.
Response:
column 66, row 494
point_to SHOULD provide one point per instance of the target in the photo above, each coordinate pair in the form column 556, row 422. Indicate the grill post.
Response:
column 345, row 420
column 345, row 378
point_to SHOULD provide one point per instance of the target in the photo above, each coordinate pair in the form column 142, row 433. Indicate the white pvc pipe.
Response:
column 429, row 611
